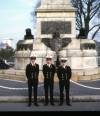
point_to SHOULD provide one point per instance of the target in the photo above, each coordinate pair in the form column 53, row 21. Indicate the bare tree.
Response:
column 87, row 12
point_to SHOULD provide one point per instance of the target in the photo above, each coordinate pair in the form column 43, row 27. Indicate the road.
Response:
column 76, row 106
column 19, row 88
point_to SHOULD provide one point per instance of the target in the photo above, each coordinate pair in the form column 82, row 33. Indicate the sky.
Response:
column 15, row 17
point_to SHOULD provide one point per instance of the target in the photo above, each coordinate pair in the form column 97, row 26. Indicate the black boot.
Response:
column 52, row 103
column 36, row 104
column 46, row 104
column 68, row 104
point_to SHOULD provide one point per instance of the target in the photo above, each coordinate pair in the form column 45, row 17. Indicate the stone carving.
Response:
column 22, row 45
column 49, row 27
column 56, row 43
column 28, row 34
column 27, row 43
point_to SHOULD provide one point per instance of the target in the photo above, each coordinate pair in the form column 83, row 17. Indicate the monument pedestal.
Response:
column 23, row 51
column 78, row 57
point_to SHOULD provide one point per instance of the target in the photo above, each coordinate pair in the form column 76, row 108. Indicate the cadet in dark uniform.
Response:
column 48, row 72
column 32, row 72
column 64, row 74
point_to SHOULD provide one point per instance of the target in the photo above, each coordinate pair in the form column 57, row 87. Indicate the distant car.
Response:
column 3, row 65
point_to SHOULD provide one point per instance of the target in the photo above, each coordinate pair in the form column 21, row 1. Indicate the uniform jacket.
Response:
column 32, row 72
column 64, row 73
column 49, row 72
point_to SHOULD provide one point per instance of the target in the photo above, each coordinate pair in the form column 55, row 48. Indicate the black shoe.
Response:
column 60, row 104
column 45, row 104
column 29, row 104
column 52, row 104
column 68, row 104
column 36, row 104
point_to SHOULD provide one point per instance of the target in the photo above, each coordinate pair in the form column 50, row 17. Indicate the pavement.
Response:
column 16, row 91
column 76, row 106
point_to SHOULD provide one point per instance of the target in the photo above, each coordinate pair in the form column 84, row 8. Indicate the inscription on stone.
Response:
column 50, row 27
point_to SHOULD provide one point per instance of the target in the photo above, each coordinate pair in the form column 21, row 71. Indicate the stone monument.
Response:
column 56, row 35
column 50, row 21
column 59, row 16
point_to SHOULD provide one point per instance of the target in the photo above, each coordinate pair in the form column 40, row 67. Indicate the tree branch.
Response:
column 95, row 32
column 94, row 12
column 94, row 27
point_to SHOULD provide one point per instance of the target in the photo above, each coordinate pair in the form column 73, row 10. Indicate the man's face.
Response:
column 33, row 60
column 63, row 62
column 49, row 60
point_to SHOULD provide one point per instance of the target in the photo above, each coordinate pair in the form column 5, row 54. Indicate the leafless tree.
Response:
column 88, row 12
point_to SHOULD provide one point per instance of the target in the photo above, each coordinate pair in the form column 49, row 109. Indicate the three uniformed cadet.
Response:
column 32, row 72
column 64, row 74
column 48, row 72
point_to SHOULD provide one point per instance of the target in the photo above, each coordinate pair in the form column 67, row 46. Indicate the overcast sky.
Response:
column 15, row 17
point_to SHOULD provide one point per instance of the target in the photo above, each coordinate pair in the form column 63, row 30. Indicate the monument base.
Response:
column 20, row 75
column 79, row 57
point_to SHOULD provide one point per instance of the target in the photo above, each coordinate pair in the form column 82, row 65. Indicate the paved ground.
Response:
column 76, row 106
column 15, row 88
column 12, row 88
